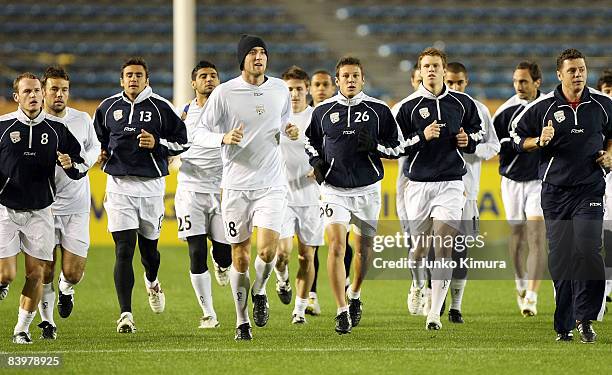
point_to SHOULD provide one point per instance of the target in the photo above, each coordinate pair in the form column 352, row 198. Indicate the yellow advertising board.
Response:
column 489, row 200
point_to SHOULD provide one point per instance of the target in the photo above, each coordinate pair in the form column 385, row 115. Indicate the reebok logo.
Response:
column 28, row 153
column 128, row 129
column 348, row 132
column 576, row 131
column 595, row 204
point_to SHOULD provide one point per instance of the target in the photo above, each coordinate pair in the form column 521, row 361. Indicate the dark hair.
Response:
column 295, row 72
column 26, row 75
column 533, row 68
column 568, row 54
column 136, row 61
column 348, row 60
column 430, row 51
column 605, row 79
column 321, row 71
column 201, row 65
column 54, row 72
column 456, row 67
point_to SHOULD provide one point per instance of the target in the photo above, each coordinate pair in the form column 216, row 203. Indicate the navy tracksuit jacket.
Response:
column 572, row 196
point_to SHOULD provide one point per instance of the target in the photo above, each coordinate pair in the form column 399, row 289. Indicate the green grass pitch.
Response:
column 495, row 339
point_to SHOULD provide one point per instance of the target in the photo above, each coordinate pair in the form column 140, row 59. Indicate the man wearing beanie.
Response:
column 247, row 116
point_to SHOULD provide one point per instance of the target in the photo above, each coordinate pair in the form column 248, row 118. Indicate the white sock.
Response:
column 282, row 276
column 608, row 288
column 521, row 285
column 300, row 306
column 440, row 282
column 342, row 309
column 47, row 303
column 312, row 295
column 24, row 319
column 202, row 288
column 347, row 281
column 240, row 290
column 532, row 296
column 457, row 286
column 353, row 295
column 262, row 274
column 418, row 275
column 64, row 286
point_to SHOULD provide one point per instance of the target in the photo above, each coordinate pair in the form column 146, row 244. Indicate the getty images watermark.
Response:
column 459, row 243
column 484, row 254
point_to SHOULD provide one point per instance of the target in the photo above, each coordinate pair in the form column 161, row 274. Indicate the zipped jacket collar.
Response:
column 144, row 95
column 22, row 117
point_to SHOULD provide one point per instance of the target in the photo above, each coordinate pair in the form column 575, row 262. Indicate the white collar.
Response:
column 352, row 101
column 22, row 117
column 428, row 94
column 144, row 95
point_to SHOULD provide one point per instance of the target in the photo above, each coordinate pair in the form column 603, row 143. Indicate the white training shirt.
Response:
column 73, row 196
column 201, row 167
column 303, row 191
column 485, row 150
column 256, row 162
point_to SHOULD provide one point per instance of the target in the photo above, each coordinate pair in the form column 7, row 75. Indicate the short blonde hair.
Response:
column 433, row 52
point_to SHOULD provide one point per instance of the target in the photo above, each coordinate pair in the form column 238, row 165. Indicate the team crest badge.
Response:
column 334, row 117
column 424, row 112
column 260, row 109
column 559, row 116
column 118, row 115
column 15, row 137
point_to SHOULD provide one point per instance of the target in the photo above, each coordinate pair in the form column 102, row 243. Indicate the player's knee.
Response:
column 337, row 247
column 459, row 273
column 281, row 261
column 35, row 273
column 267, row 252
column 73, row 275
column 306, row 259
column 124, row 253
column 7, row 276
column 240, row 259
column 517, row 230
column 266, row 256
column 49, row 273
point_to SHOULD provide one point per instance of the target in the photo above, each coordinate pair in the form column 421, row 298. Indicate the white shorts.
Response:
column 439, row 200
column 145, row 214
column 470, row 218
column 199, row 213
column 72, row 232
column 360, row 210
column 244, row 209
column 305, row 222
column 521, row 199
column 30, row 231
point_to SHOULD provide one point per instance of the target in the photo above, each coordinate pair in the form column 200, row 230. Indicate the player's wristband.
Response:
column 537, row 142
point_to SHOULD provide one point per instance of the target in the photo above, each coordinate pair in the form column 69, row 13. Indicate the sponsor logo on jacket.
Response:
column 559, row 116
column 15, row 136
column 334, row 117
column 424, row 112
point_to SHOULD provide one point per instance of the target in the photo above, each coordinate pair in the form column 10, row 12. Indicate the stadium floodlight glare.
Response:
column 384, row 50
column 363, row 30
column 342, row 13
